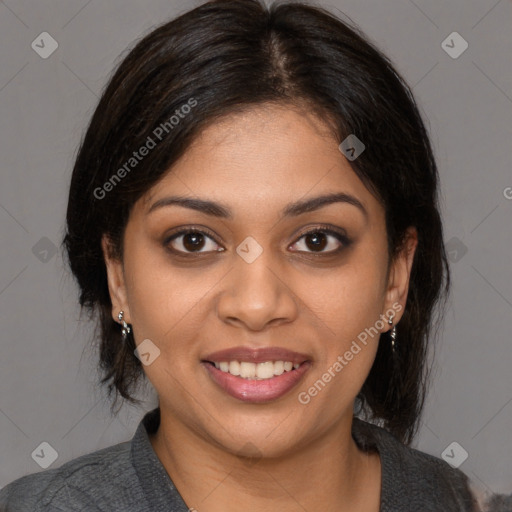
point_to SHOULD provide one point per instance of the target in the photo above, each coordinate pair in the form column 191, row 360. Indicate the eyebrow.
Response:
column 291, row 210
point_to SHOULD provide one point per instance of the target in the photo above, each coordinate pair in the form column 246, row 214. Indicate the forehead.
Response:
column 268, row 155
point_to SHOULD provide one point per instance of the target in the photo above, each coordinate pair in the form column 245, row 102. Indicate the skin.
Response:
column 255, row 163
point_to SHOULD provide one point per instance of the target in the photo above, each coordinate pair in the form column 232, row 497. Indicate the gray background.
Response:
column 47, row 367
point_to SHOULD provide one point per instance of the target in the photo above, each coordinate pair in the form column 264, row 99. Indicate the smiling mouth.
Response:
column 255, row 371
column 256, row 375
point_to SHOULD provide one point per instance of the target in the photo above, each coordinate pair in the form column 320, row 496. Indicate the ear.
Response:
column 399, row 274
column 116, row 281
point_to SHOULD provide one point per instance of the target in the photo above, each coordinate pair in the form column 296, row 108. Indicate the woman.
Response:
column 253, row 217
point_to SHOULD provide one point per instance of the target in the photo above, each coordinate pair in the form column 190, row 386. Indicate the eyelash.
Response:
column 340, row 236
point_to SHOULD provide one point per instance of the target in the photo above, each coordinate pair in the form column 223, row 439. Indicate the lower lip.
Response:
column 257, row 391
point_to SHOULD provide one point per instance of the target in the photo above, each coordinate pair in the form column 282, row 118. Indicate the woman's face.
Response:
column 252, row 283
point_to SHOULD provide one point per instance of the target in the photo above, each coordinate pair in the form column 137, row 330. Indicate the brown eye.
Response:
column 322, row 241
column 192, row 241
column 316, row 241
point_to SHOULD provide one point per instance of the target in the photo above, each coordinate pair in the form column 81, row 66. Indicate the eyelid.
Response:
column 325, row 228
column 339, row 234
column 185, row 230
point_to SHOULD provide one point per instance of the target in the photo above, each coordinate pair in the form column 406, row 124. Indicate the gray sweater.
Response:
column 129, row 477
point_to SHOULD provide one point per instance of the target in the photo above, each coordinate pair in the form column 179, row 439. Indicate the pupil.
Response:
column 193, row 241
column 318, row 241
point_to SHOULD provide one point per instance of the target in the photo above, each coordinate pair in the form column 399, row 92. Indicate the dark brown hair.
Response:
column 227, row 56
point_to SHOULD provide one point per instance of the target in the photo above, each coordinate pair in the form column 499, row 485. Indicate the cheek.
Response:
column 157, row 296
column 347, row 299
column 349, row 302
column 168, row 305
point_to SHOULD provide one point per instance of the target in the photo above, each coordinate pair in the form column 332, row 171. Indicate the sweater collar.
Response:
column 158, row 488
column 162, row 495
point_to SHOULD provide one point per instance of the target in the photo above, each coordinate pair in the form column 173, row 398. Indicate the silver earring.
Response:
column 392, row 333
column 126, row 328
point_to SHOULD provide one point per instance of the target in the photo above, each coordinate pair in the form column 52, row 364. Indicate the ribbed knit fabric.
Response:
column 129, row 477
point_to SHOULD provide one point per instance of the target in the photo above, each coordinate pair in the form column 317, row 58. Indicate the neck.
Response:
column 329, row 473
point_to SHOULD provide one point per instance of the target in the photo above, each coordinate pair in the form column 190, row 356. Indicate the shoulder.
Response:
column 80, row 484
column 414, row 478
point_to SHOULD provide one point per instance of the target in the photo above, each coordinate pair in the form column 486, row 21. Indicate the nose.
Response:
column 256, row 295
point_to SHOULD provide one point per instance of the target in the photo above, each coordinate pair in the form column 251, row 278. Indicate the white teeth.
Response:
column 265, row 370
column 247, row 370
column 234, row 368
column 278, row 368
column 257, row 371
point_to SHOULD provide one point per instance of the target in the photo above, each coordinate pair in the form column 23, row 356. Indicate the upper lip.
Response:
column 256, row 355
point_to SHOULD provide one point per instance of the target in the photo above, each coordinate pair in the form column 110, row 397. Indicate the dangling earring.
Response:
column 392, row 333
column 126, row 328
